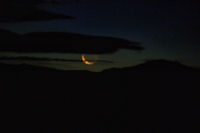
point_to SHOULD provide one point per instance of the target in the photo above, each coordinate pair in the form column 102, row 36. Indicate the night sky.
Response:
column 167, row 29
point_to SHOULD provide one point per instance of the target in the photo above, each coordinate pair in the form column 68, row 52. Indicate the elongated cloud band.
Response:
column 63, row 42
column 46, row 59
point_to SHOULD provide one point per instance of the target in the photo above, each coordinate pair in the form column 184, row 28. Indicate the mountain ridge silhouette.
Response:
column 132, row 99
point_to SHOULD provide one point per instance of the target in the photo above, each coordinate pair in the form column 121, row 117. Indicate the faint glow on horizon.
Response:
column 120, row 59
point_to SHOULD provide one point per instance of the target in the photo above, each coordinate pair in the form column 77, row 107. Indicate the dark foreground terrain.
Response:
column 155, row 97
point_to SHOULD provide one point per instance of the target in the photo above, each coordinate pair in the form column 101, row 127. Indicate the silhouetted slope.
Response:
column 158, row 94
column 156, row 65
column 165, row 91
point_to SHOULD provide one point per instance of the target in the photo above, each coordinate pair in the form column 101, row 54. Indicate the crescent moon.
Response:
column 85, row 60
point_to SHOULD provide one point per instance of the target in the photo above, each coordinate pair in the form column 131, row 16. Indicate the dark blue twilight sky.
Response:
column 168, row 29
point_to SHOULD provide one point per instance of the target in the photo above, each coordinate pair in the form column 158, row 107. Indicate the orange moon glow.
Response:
column 86, row 61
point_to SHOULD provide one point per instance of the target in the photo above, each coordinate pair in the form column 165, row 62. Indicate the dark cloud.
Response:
column 34, row 2
column 63, row 42
column 21, row 10
column 32, row 15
